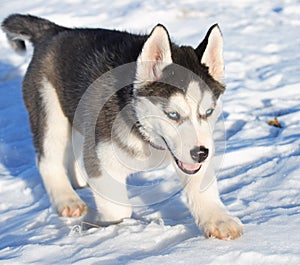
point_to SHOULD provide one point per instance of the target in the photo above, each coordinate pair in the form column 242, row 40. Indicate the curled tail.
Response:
column 26, row 27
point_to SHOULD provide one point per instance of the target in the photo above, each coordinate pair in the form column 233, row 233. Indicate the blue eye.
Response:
column 209, row 112
column 173, row 115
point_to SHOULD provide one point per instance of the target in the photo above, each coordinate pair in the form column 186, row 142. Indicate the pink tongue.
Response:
column 189, row 167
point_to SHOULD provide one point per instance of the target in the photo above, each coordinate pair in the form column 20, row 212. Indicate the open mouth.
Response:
column 188, row 168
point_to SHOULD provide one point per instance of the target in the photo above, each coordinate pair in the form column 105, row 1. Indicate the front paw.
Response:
column 223, row 226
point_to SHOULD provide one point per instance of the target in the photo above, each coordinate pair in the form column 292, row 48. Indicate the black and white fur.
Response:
column 67, row 61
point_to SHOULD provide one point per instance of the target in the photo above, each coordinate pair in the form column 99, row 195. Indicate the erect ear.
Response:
column 210, row 52
column 155, row 55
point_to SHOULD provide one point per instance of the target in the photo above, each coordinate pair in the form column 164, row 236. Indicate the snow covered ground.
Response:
column 260, row 176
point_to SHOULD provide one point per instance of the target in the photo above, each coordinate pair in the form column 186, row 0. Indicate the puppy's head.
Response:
column 177, row 96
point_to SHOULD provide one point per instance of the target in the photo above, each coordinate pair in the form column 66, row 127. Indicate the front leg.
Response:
column 111, row 198
column 209, row 212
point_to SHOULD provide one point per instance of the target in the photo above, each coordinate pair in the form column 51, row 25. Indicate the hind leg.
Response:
column 55, row 156
column 62, row 196
column 75, row 173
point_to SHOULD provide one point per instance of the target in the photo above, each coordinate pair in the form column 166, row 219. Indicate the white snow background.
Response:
column 260, row 176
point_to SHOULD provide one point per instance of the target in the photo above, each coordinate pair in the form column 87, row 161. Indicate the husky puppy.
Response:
column 162, row 112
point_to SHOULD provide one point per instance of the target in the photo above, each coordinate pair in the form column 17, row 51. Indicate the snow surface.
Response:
column 260, row 176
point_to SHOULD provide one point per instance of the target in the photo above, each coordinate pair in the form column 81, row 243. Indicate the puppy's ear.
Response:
column 155, row 55
column 210, row 52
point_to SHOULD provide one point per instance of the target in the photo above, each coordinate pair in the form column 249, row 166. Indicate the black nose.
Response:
column 199, row 153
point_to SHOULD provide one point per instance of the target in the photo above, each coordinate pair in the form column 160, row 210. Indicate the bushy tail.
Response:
column 26, row 27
